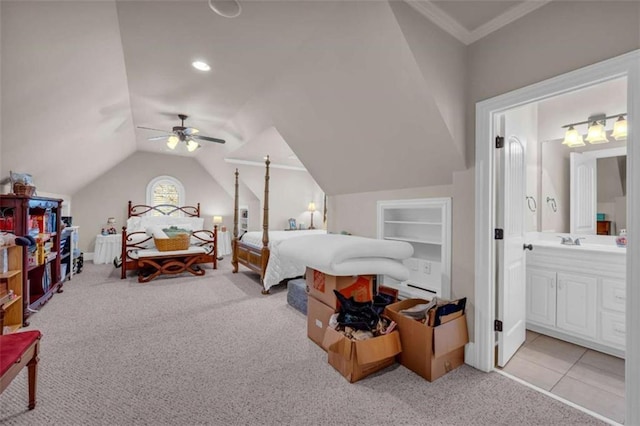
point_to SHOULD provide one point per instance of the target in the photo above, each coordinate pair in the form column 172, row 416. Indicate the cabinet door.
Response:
column 576, row 304
column 541, row 296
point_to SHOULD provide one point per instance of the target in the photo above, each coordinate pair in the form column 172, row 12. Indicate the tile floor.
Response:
column 588, row 378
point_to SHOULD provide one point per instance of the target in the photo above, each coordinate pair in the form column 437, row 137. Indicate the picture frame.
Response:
column 292, row 223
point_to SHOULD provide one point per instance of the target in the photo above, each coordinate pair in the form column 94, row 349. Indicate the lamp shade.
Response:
column 217, row 220
column 192, row 146
column 620, row 129
column 596, row 134
column 572, row 138
column 172, row 142
column 312, row 207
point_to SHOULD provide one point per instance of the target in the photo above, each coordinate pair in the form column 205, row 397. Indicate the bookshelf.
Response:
column 11, row 289
column 40, row 218
column 426, row 225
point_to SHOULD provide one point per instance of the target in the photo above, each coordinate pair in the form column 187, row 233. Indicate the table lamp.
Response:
column 217, row 220
column 312, row 209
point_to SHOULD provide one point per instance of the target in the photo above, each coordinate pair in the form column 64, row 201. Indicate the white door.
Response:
column 577, row 309
column 583, row 193
column 511, row 196
column 541, row 296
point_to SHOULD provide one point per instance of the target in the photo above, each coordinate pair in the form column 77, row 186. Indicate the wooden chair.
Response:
column 18, row 350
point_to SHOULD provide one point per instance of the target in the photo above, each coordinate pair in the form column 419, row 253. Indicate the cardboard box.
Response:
column 428, row 351
column 321, row 287
column 358, row 359
column 318, row 315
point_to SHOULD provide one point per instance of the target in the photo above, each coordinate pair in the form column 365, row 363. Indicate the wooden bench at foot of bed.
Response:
column 153, row 263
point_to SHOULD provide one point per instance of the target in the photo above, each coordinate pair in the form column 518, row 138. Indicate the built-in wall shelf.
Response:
column 426, row 225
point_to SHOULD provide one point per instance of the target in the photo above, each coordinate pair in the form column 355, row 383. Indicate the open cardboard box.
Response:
column 358, row 359
column 318, row 315
column 428, row 351
column 321, row 287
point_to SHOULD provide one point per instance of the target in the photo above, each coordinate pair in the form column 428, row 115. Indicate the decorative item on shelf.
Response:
column 110, row 227
column 217, row 220
column 596, row 132
column 621, row 240
column 312, row 210
column 292, row 223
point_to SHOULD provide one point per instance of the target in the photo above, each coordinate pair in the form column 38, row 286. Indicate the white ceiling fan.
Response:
column 188, row 135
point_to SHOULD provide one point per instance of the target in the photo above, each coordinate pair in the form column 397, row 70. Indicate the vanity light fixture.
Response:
column 572, row 138
column 620, row 128
column 596, row 132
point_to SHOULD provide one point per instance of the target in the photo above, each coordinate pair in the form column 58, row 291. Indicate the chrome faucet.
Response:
column 567, row 241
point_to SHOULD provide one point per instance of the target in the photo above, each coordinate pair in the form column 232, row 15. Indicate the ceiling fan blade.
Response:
column 190, row 131
column 158, row 138
column 207, row 138
column 149, row 128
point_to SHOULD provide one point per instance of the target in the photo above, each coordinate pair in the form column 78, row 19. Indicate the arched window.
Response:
column 165, row 190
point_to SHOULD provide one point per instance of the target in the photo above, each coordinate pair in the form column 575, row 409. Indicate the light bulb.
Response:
column 192, row 146
column 596, row 134
column 172, row 142
column 620, row 129
column 572, row 138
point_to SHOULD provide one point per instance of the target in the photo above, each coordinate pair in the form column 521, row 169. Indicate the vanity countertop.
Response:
column 585, row 246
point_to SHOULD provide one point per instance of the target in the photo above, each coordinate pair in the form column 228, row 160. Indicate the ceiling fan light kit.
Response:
column 188, row 135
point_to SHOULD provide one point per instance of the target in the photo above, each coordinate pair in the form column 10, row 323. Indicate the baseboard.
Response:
column 470, row 354
column 88, row 256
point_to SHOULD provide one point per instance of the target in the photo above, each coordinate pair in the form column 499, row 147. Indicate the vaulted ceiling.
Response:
column 364, row 95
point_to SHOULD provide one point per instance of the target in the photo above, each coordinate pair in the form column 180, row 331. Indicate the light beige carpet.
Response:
column 212, row 350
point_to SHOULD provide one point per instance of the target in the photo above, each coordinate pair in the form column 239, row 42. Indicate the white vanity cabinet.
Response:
column 578, row 294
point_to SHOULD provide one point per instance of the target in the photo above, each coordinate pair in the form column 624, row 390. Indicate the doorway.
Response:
column 481, row 352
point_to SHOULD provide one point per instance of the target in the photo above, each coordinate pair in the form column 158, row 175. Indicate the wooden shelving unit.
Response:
column 40, row 218
column 11, row 282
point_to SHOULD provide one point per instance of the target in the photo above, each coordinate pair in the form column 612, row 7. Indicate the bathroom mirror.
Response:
column 605, row 196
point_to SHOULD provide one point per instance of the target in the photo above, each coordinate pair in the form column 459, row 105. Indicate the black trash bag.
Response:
column 380, row 301
column 358, row 315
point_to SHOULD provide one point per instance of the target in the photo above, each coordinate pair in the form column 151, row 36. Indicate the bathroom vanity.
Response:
column 577, row 293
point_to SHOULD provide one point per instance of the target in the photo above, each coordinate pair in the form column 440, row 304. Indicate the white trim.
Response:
column 624, row 65
column 88, row 256
column 442, row 19
column 261, row 164
column 558, row 398
column 506, row 18
column 182, row 195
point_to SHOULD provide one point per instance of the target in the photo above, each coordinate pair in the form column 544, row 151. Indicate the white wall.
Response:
column 290, row 192
column 108, row 195
column 356, row 213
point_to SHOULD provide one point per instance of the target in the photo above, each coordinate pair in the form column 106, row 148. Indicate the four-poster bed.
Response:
column 261, row 255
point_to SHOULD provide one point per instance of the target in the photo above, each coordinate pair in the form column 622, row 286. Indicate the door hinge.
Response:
column 499, row 141
column 497, row 325
column 498, row 234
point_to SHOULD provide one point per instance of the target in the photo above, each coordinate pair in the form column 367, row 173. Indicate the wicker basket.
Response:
column 179, row 242
column 22, row 189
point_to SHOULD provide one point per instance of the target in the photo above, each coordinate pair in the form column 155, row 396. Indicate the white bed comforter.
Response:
column 279, row 268
column 347, row 255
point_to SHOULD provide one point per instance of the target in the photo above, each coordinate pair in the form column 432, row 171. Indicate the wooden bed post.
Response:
column 265, row 226
column 234, row 242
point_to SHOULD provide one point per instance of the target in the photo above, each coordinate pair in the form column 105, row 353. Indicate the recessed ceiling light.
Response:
column 202, row 66
column 226, row 8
